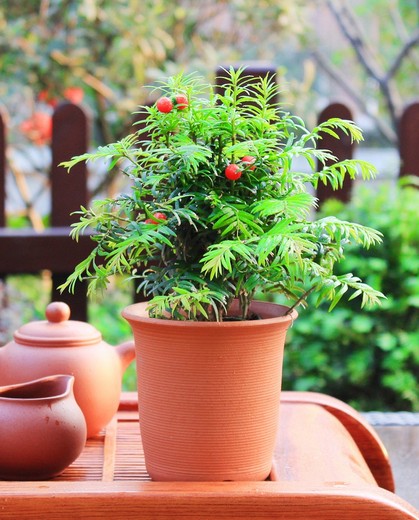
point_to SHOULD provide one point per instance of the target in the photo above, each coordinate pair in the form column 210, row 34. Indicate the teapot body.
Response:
column 96, row 366
column 96, row 369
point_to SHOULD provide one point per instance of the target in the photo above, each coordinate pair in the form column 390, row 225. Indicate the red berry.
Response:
column 164, row 104
column 181, row 101
column 232, row 172
column 43, row 96
column 158, row 215
column 38, row 127
column 46, row 97
column 74, row 94
column 248, row 161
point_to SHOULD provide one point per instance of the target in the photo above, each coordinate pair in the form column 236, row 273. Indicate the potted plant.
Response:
column 214, row 215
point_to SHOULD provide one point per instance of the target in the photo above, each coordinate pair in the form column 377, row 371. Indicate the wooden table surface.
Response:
column 329, row 464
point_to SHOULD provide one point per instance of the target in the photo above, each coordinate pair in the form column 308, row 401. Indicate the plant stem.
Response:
column 302, row 298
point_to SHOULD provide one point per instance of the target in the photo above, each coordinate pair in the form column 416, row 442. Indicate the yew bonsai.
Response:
column 215, row 210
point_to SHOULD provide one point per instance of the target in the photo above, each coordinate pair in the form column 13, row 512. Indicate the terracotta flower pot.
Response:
column 209, row 393
column 42, row 428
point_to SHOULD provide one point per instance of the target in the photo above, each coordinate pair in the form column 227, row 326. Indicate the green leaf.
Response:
column 292, row 206
column 386, row 341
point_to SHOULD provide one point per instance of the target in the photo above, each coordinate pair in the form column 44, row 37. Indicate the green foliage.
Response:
column 111, row 48
column 369, row 359
column 195, row 240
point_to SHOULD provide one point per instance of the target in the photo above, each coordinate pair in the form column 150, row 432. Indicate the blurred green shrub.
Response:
column 370, row 360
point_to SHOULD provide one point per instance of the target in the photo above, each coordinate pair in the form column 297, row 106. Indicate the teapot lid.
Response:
column 58, row 330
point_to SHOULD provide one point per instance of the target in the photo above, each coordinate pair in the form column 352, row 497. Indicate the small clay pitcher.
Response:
column 63, row 346
column 42, row 428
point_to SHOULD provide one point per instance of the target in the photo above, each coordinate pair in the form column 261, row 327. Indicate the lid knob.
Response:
column 57, row 312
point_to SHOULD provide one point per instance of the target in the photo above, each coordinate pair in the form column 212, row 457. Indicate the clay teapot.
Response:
column 42, row 428
column 63, row 346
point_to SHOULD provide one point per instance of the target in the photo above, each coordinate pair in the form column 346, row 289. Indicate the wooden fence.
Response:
column 30, row 251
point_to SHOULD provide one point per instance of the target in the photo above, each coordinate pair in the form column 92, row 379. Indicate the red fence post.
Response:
column 2, row 171
column 341, row 148
column 68, row 190
column 409, row 140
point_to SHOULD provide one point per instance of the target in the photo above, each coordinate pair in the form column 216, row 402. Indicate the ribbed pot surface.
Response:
column 209, row 394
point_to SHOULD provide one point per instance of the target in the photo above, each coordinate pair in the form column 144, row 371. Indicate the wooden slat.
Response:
column 409, row 140
column 129, row 463
column 109, row 451
column 88, row 467
column 367, row 440
column 341, row 148
column 30, row 252
column 199, row 500
column 2, row 170
column 305, row 460
column 70, row 137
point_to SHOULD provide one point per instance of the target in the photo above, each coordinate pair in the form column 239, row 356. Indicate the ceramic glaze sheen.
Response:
column 42, row 429
column 59, row 345
column 209, row 393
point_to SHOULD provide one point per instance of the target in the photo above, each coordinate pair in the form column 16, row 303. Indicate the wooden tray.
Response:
column 329, row 464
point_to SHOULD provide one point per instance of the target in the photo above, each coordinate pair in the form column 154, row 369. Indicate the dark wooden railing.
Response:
column 2, row 173
column 409, row 140
column 30, row 251
column 342, row 149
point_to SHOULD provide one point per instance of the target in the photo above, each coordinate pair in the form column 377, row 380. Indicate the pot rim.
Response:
column 138, row 312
